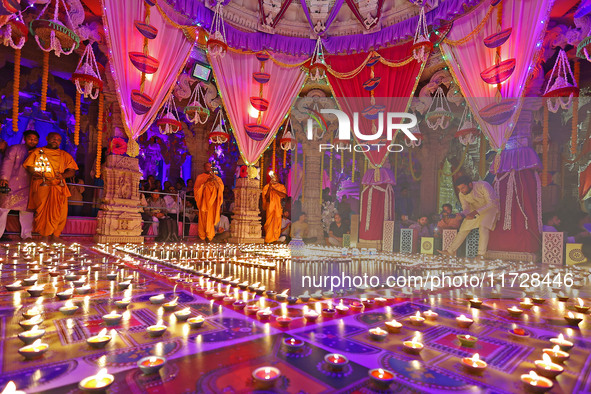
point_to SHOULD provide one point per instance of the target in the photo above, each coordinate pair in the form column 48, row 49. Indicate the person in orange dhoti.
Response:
column 273, row 193
column 49, row 194
column 209, row 195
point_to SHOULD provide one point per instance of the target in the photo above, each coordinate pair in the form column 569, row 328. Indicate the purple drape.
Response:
column 447, row 9
column 333, row 13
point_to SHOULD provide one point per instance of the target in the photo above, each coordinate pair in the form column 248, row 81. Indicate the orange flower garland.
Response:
column 15, row 89
column 262, row 169
column 575, row 123
column 99, row 144
column 274, row 151
column 77, row 120
column 545, row 148
column 44, row 79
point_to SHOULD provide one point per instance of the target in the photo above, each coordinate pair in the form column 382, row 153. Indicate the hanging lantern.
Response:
column 417, row 133
column 498, row 113
column 257, row 131
column 14, row 33
column 467, row 132
column 141, row 103
column 216, row 44
column 422, row 46
column 441, row 116
column 497, row 39
column 373, row 111
column 288, row 142
column 168, row 122
column 561, row 87
column 218, row 134
column 317, row 68
column 196, row 111
column 498, row 73
column 87, row 76
column 52, row 34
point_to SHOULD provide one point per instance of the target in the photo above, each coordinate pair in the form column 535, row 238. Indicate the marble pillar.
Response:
column 119, row 218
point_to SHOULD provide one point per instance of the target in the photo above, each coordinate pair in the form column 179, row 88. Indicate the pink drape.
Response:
column 233, row 73
column 170, row 47
column 528, row 18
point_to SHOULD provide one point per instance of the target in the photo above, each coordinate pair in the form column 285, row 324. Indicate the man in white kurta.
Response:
column 480, row 209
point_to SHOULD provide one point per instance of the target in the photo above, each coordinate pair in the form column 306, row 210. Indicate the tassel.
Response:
column 15, row 89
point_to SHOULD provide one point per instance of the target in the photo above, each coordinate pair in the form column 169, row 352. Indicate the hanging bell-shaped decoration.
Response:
column 168, row 122
column 422, row 45
column 87, row 75
column 287, row 142
column 441, row 116
column 467, row 133
column 218, row 135
column 217, row 44
column 412, row 143
column 14, row 33
column 561, row 87
column 52, row 34
column 317, row 67
column 196, row 111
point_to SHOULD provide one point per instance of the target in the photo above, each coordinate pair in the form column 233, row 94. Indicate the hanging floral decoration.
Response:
column 118, row 146
column 422, row 45
column 216, row 44
column 317, row 67
column 441, row 115
column 14, row 33
column 467, row 131
column 99, row 134
column 562, row 86
column 417, row 133
column 257, row 131
column 168, row 121
column 287, row 142
column 218, row 134
column 52, row 34
column 146, row 64
column 87, row 76
column 197, row 111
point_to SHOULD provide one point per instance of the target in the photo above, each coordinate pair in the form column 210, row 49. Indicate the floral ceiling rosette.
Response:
column 146, row 65
column 257, row 90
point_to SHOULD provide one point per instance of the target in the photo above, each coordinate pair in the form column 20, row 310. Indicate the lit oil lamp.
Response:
column 36, row 269
column 515, row 311
column 65, row 295
column 393, row 326
column 70, row 277
column 196, row 322
column 367, row 303
column 112, row 319
column 124, row 285
column 112, row 275
column 377, row 334
column 251, row 309
column 264, row 314
column 30, row 323
column 329, row 312
column 304, row 297
column 535, row 383
column 100, row 340
column 30, row 281
column 538, row 300
column 356, row 306
column 581, row 307
column 69, row 308
column 218, row 296
column 36, row 291
column 475, row 302
column 156, row 330
column 381, row 378
column 474, row 364
column 562, row 297
column 413, row 347
column 284, row 321
column 380, row 301
column 292, row 300
column 79, row 283
column 98, row 383
column 183, row 314
column 519, row 333
column 239, row 305
column 572, row 320
column 463, row 321
column 14, row 286
column 467, row 340
column 170, row 306
column 526, row 304
column 293, row 344
column 311, row 315
column 259, row 290
column 562, row 343
column 31, row 312
column 336, row 361
column 11, row 389
column 82, row 289
column 157, row 299
column 151, row 364
column 53, row 273
column 34, row 350
column 123, row 303
column 30, row 336
column 547, row 368
column 342, row 309
column 430, row 315
column 266, row 377
column 282, row 297
column 556, row 355
column 228, row 300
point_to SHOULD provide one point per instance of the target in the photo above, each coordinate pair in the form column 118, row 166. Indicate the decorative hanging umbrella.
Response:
column 417, row 133
column 87, row 75
column 218, row 134
column 168, row 122
column 317, row 68
column 441, row 115
column 561, row 87
column 216, row 44
column 467, row 132
column 197, row 111
column 52, row 34
column 422, row 46
column 14, row 33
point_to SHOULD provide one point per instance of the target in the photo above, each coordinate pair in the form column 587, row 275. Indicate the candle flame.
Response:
column 560, row 337
column 581, row 303
column 267, row 373
column 102, row 372
column 69, row 304
column 476, row 357
column 534, row 376
column 418, row 314
column 17, row 283
column 571, row 315
column 284, row 293
column 102, row 333
column 467, row 336
column 152, row 360
column 527, row 301
column 546, row 358
column 475, row 299
column 35, row 327
column 380, row 373
column 556, row 348
column 10, row 388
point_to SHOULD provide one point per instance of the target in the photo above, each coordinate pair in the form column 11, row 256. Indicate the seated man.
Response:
column 336, row 231
column 222, row 230
column 422, row 227
column 551, row 222
column 173, row 210
column 449, row 220
column 157, row 207
column 299, row 229
column 285, row 228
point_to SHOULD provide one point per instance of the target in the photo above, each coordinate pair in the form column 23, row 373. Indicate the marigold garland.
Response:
column 574, row 139
column 545, row 147
column 482, row 160
column 262, row 169
column 15, row 89
column 284, row 158
column 274, row 152
column 99, row 144
column 353, row 165
column 77, row 120
column 44, row 79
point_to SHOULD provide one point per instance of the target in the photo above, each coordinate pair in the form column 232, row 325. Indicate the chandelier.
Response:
column 168, row 122
column 216, row 45
column 197, row 111
column 218, row 134
column 14, row 33
column 562, row 86
column 87, row 76
column 422, row 45
column 417, row 133
column 317, row 67
column 467, row 132
column 441, row 115
column 52, row 34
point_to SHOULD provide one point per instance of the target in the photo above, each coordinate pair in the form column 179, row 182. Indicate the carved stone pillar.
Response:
column 246, row 222
column 312, row 194
column 119, row 219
